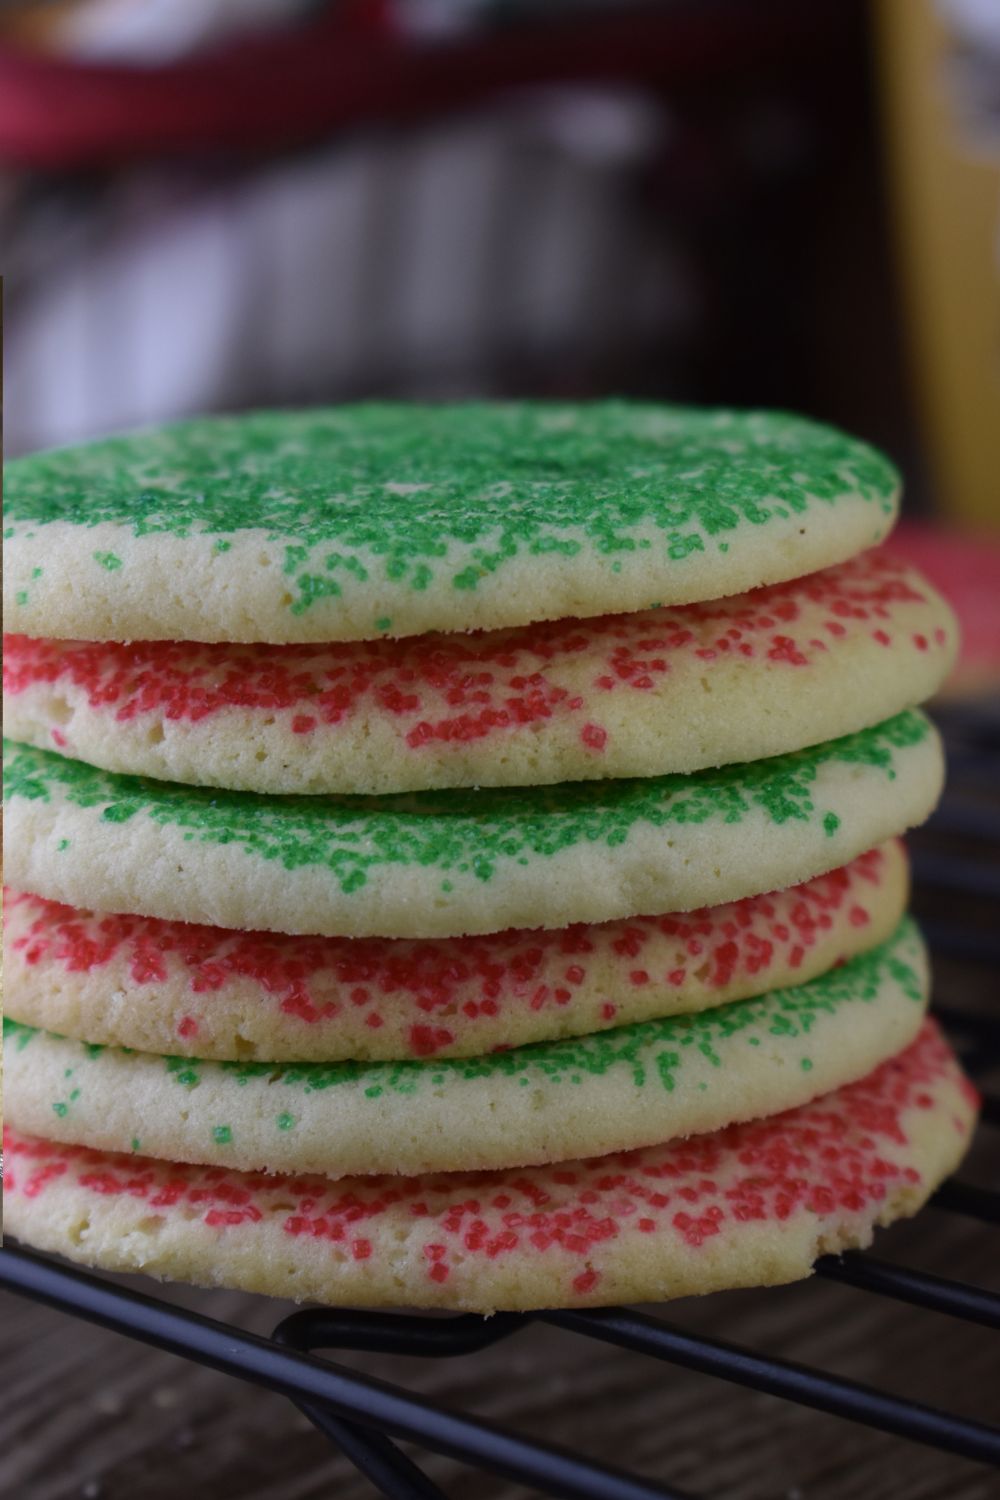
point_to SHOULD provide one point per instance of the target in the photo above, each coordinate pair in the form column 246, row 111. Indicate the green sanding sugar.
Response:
column 458, row 833
column 452, row 493
column 183, row 1071
column 648, row 1052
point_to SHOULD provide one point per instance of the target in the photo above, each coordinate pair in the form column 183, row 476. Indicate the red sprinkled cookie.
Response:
column 175, row 987
column 754, row 1204
column 662, row 690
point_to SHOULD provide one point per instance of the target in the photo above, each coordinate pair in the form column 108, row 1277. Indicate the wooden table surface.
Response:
column 89, row 1415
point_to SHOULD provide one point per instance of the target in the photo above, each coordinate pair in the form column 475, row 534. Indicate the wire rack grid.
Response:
column 365, row 1416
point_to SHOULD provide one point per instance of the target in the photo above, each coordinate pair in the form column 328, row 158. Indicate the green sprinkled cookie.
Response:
column 359, row 522
column 440, row 864
column 610, row 1091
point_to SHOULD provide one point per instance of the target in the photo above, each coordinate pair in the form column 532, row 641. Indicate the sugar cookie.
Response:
column 611, row 1091
column 753, row 1205
column 364, row 521
column 644, row 694
column 176, row 987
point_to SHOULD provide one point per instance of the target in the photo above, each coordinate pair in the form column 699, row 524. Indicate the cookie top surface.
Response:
column 754, row 1204
column 358, row 522
column 613, row 1090
column 439, row 864
column 639, row 694
column 195, row 991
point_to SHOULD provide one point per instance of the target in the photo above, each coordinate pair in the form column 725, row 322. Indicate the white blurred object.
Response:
column 972, row 70
column 606, row 127
column 975, row 21
column 161, row 31
column 424, row 262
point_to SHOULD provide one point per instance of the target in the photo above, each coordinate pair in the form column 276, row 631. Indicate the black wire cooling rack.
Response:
column 363, row 1415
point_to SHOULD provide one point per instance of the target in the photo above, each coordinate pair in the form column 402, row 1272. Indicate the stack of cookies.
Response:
column 454, row 854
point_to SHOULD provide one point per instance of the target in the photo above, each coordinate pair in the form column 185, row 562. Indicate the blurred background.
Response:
column 213, row 204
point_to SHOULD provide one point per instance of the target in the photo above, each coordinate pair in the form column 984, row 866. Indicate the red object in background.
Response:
column 348, row 66
column 965, row 567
